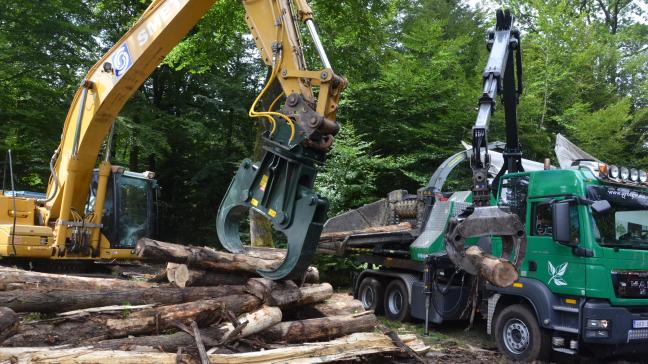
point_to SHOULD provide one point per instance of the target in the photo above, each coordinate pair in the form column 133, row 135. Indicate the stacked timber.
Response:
column 205, row 306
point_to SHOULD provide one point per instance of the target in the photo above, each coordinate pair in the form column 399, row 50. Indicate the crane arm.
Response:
column 499, row 76
column 481, row 220
column 301, row 133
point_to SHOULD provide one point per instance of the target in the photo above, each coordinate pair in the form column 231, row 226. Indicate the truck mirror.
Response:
column 561, row 222
column 601, row 206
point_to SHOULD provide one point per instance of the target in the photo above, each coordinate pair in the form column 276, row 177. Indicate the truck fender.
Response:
column 550, row 311
column 407, row 278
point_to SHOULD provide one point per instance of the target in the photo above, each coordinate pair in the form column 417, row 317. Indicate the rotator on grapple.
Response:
column 503, row 73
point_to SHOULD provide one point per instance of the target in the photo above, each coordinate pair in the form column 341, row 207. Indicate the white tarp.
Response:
column 567, row 152
column 497, row 162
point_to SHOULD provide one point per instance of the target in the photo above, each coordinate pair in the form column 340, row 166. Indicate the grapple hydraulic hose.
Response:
column 280, row 187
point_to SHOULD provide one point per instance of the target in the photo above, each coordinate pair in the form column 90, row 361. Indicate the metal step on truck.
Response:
column 583, row 284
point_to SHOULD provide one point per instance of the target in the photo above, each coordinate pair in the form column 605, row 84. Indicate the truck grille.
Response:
column 638, row 334
column 630, row 284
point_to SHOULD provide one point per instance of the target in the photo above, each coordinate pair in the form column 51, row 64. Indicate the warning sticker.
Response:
column 264, row 183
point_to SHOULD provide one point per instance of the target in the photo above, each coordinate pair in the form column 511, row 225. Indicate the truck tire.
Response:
column 396, row 301
column 370, row 293
column 519, row 336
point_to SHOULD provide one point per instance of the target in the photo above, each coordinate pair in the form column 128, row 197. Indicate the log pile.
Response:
column 205, row 306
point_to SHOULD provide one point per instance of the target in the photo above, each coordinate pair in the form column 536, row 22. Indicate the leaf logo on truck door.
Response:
column 557, row 274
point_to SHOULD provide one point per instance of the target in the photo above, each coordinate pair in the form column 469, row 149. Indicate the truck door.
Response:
column 547, row 260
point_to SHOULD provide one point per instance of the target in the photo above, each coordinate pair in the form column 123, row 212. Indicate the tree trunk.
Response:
column 497, row 271
column 320, row 328
column 204, row 258
column 11, row 278
column 67, row 300
column 71, row 330
column 257, row 321
column 9, row 322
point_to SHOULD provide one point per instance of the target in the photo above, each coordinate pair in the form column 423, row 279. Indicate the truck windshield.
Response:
column 625, row 225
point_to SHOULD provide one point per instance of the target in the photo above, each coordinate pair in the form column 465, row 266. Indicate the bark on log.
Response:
column 12, row 279
column 257, row 321
column 339, row 304
column 182, row 276
column 9, row 322
column 498, row 271
column 337, row 235
column 202, row 257
column 287, row 295
column 71, row 330
column 320, row 328
column 51, row 301
column 345, row 348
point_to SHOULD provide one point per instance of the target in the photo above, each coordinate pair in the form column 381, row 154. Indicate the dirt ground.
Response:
column 452, row 343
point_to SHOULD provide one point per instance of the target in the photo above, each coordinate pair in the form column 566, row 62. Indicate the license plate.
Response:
column 639, row 324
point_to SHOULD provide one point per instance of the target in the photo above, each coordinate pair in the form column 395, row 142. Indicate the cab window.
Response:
column 542, row 220
column 514, row 194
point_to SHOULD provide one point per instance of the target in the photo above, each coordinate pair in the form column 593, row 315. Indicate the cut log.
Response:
column 51, row 301
column 498, row 271
column 9, row 322
column 320, row 328
column 182, row 276
column 287, row 295
column 337, row 235
column 342, row 349
column 12, row 279
column 257, row 321
column 202, row 257
column 338, row 305
column 70, row 330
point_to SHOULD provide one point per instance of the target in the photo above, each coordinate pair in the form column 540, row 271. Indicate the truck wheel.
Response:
column 519, row 336
column 396, row 302
column 370, row 293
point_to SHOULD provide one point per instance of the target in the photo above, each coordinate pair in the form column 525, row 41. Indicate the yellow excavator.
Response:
column 96, row 211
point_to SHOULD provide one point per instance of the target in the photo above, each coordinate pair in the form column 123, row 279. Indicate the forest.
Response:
column 414, row 69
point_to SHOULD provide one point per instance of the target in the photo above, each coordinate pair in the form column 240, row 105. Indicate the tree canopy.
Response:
column 414, row 70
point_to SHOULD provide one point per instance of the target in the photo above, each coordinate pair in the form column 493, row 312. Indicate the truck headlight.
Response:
column 613, row 172
column 624, row 172
column 634, row 175
column 598, row 324
column 643, row 177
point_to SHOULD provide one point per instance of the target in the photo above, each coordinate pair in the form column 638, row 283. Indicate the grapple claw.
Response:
column 485, row 222
column 280, row 188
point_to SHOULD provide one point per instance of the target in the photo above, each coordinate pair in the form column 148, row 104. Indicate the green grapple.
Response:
column 280, row 187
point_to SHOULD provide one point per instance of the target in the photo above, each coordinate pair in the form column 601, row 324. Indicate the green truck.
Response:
column 583, row 284
column 582, row 254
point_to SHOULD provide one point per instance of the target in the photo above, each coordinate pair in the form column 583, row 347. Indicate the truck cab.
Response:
column 585, row 273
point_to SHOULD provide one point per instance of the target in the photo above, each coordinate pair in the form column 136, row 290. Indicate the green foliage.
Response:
column 349, row 179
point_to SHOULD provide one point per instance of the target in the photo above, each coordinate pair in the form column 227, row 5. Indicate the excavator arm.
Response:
column 297, row 139
column 502, row 75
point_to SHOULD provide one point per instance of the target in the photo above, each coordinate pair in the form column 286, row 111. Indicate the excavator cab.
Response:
column 130, row 209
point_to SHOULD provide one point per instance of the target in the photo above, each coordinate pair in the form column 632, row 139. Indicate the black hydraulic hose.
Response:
column 442, row 312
